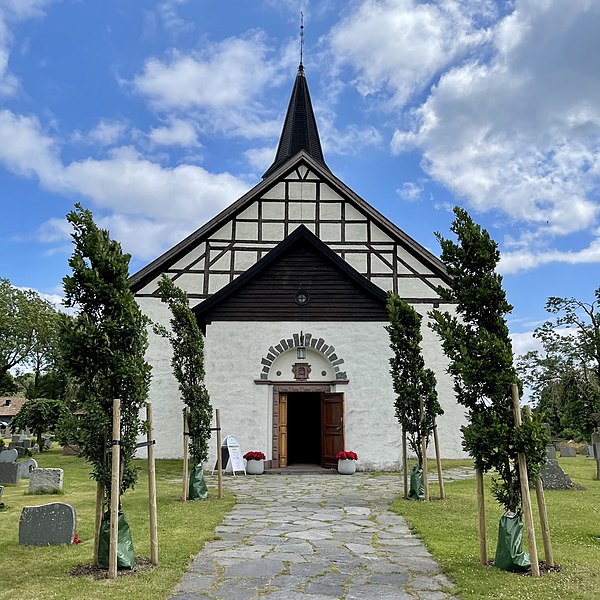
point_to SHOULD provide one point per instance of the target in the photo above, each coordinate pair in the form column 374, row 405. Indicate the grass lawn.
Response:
column 449, row 529
column 34, row 572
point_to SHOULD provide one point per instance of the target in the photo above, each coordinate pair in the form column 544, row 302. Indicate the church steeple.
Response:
column 299, row 128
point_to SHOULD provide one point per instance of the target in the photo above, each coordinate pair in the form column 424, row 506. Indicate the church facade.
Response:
column 289, row 286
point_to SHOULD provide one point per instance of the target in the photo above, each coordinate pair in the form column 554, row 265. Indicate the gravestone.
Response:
column 584, row 450
column 35, row 449
column 70, row 450
column 566, row 452
column 47, row 525
column 45, row 481
column 26, row 443
column 554, row 478
column 26, row 467
column 550, row 452
column 47, row 442
column 9, row 472
column 17, row 446
column 8, row 456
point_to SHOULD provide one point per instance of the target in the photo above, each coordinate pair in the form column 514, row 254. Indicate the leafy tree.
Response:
column 477, row 343
column 411, row 380
column 8, row 385
column 188, row 366
column 27, row 327
column 565, row 375
column 39, row 415
column 103, row 347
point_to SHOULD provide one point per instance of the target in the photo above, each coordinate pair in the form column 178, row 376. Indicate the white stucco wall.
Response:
column 233, row 353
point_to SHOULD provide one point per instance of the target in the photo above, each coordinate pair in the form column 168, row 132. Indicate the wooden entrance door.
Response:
column 283, row 421
column 332, row 427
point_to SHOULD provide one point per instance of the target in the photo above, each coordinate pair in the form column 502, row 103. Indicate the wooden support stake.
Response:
column 219, row 459
column 152, row 488
column 186, row 442
column 481, row 515
column 115, row 486
column 424, row 451
column 405, row 464
column 525, row 497
column 541, row 502
column 99, row 513
column 438, row 460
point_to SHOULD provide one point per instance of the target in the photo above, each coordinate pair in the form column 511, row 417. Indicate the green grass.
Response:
column 30, row 572
column 449, row 529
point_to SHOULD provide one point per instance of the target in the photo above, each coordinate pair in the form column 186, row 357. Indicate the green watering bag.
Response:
column 509, row 553
column 125, row 558
column 197, row 488
column 417, row 487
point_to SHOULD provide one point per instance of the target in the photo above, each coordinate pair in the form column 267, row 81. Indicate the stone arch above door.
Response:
column 309, row 341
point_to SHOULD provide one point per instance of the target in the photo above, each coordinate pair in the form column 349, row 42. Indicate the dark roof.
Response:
column 16, row 403
column 299, row 128
column 302, row 233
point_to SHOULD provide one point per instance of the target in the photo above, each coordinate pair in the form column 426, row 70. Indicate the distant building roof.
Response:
column 10, row 405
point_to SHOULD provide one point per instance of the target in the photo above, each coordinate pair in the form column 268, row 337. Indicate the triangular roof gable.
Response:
column 299, row 234
column 157, row 266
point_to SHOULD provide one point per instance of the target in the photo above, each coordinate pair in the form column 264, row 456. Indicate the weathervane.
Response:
column 301, row 36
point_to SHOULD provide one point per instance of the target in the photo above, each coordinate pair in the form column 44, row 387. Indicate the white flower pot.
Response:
column 346, row 467
column 255, row 467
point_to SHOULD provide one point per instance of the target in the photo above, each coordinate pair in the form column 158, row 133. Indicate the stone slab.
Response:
column 8, row 456
column 566, row 452
column 20, row 450
column 26, row 467
column 554, row 478
column 47, row 525
column 9, row 473
column 550, row 452
column 45, row 481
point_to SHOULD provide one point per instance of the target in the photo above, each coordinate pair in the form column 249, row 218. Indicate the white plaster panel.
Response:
column 246, row 231
column 317, row 361
column 192, row 283
column 330, row 211
column 277, row 192
column 302, row 170
column 358, row 261
column 412, row 287
column 224, row 233
column 190, row 257
column 273, row 210
column 304, row 190
column 327, row 193
column 249, row 213
column 331, row 232
column 356, row 232
column 222, row 263
column 302, row 210
column 410, row 260
column 216, row 282
column 352, row 214
column 310, row 226
column 152, row 286
column 272, row 231
column 377, row 235
column 378, row 266
column 385, row 283
column 311, row 175
column 244, row 259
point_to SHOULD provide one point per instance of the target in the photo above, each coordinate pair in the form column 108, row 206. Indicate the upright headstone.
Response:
column 17, row 446
column 26, row 467
column 9, row 473
column 26, row 443
column 45, row 481
column 49, row 524
column 8, row 456
column 554, row 478
column 567, row 452
column 550, row 452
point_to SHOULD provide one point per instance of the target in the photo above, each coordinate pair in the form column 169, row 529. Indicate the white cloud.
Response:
column 107, row 133
column 524, row 342
column 167, row 11
column 261, row 158
column 178, row 133
column 410, row 191
column 521, row 131
column 397, row 46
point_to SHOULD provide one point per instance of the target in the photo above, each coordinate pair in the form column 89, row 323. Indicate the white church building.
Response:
column 289, row 287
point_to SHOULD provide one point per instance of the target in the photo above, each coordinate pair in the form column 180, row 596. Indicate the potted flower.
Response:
column 254, row 463
column 346, row 462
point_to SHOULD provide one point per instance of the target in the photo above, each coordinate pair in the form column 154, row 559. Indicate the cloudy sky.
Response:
column 156, row 115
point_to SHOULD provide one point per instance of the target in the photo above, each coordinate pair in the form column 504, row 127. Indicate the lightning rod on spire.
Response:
column 301, row 36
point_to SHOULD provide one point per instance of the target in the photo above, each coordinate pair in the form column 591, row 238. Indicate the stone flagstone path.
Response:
column 315, row 537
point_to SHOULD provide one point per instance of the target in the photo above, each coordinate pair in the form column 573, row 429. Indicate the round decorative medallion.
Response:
column 302, row 297
column 278, row 373
column 323, row 373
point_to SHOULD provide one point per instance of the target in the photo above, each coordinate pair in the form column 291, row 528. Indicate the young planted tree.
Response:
column 39, row 415
column 477, row 343
column 103, row 349
column 414, row 385
column 188, row 368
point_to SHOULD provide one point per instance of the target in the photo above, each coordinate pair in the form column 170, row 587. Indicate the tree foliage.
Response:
column 103, row 348
column 412, row 382
column 477, row 343
column 188, row 366
column 565, row 375
column 39, row 415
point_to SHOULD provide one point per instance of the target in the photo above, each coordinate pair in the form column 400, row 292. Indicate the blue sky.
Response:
column 157, row 115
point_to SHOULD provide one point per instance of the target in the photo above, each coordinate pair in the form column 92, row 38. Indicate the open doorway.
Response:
column 304, row 428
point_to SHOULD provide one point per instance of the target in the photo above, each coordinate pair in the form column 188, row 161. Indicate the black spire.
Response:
column 299, row 128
